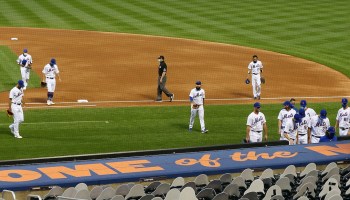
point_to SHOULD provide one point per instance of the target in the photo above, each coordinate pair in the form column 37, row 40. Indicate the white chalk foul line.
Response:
column 70, row 122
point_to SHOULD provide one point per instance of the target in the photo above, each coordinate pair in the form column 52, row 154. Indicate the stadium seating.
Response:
column 328, row 184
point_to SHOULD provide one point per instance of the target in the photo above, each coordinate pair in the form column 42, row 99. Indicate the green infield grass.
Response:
column 58, row 132
column 317, row 30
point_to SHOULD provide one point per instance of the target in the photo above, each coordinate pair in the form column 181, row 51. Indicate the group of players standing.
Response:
column 299, row 126
column 50, row 72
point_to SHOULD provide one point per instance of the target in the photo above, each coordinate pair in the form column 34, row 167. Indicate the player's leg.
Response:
column 17, row 118
column 159, row 91
column 24, row 77
column 258, row 86
column 254, row 86
column 343, row 132
column 164, row 89
column 192, row 117
column 27, row 78
column 282, row 135
column 50, row 90
column 302, row 139
column 315, row 140
column 253, row 137
column 201, row 118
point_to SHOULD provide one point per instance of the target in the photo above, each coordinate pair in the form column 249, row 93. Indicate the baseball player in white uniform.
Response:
column 308, row 111
column 256, row 124
column 25, row 66
column 290, row 131
column 197, row 96
column 256, row 68
column 343, row 118
column 286, row 114
column 50, row 71
column 319, row 125
column 304, row 129
column 15, row 106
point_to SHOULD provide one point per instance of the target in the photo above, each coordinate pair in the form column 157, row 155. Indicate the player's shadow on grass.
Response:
column 37, row 100
column 181, row 126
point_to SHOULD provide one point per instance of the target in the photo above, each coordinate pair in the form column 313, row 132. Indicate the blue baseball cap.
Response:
column 323, row 114
column 344, row 101
column 331, row 129
column 297, row 118
column 287, row 103
column 303, row 103
column 302, row 112
column 25, row 50
column 257, row 105
column 53, row 61
column 20, row 83
column 198, row 83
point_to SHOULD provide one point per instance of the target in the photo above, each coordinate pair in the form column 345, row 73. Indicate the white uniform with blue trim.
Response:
column 16, row 96
column 284, row 116
column 198, row 96
column 50, row 73
column 256, row 82
column 343, row 118
column 318, row 128
column 303, row 128
column 256, row 123
column 25, row 70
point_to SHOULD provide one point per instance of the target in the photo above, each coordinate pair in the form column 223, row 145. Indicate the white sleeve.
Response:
column 56, row 69
column 11, row 95
column 261, row 65
column 309, row 123
column 249, row 121
column 44, row 70
column 249, row 66
column 203, row 94
column 264, row 119
column 191, row 94
column 337, row 118
column 280, row 115
column 328, row 124
column 19, row 60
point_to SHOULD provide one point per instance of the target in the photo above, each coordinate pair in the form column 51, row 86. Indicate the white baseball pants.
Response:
column 18, row 117
column 25, row 73
column 255, row 136
column 256, row 83
column 315, row 139
column 302, row 139
column 51, row 84
column 344, row 132
column 200, row 112
column 282, row 135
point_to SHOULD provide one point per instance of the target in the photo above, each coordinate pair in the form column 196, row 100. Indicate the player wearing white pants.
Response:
column 319, row 125
column 15, row 105
column 285, row 115
column 197, row 96
column 256, row 125
column 25, row 68
column 343, row 119
column 50, row 71
column 304, row 129
column 290, row 131
column 256, row 68
column 308, row 111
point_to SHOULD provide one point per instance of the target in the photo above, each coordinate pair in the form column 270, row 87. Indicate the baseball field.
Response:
column 107, row 54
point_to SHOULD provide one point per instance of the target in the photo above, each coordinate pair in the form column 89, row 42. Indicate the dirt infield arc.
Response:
column 123, row 67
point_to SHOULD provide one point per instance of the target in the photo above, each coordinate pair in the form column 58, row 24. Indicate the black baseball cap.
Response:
column 161, row 57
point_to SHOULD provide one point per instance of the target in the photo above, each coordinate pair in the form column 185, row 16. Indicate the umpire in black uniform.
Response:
column 162, row 71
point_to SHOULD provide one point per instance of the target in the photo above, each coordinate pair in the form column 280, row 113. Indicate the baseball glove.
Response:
column 43, row 84
column 9, row 113
column 24, row 62
column 262, row 79
column 247, row 81
column 195, row 106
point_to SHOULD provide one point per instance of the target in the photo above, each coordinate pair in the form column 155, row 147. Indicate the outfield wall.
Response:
column 105, row 171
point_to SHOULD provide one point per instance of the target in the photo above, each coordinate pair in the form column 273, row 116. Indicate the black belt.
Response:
column 342, row 128
column 17, row 103
column 50, row 77
column 302, row 134
column 257, row 131
column 255, row 73
column 316, row 136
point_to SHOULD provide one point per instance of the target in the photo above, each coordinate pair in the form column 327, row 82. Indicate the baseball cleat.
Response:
column 205, row 131
column 52, row 103
column 254, row 97
column 158, row 100
column 258, row 97
column 172, row 97
column 18, row 136
column 190, row 129
column 48, row 102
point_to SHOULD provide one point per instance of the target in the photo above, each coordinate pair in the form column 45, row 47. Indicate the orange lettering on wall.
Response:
column 331, row 151
column 59, row 172
column 251, row 155
column 205, row 161
column 133, row 166
column 20, row 175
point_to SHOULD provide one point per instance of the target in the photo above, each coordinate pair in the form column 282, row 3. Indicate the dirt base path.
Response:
column 112, row 69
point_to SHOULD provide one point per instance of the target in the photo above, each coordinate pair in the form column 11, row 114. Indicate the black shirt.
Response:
column 162, row 68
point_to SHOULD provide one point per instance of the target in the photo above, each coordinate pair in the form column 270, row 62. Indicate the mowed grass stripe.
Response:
column 13, row 15
column 9, row 70
column 28, row 14
column 133, row 128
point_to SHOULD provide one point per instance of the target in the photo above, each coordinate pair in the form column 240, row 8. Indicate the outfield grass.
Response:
column 317, row 30
column 82, row 131
column 10, row 72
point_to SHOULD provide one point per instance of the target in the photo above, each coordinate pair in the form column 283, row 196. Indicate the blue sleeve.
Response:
column 191, row 99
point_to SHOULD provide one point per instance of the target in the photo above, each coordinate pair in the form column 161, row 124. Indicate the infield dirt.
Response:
column 123, row 67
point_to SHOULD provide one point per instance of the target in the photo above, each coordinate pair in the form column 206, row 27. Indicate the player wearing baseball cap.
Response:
column 330, row 135
column 319, row 125
column 197, row 96
column 256, row 125
column 285, row 115
column 291, row 129
column 25, row 62
column 15, row 106
column 162, row 78
column 343, row 118
column 308, row 111
column 304, row 129
column 255, row 68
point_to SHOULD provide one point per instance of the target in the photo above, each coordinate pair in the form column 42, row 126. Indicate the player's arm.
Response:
column 247, row 137
column 265, row 132
column 161, row 77
column 10, row 103
column 297, row 138
column 336, row 124
column 279, row 126
column 309, row 135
